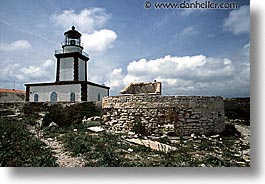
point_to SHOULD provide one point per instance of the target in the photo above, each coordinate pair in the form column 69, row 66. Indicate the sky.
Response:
column 191, row 51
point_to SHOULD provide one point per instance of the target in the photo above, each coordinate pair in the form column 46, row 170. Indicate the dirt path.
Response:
column 64, row 158
column 245, row 132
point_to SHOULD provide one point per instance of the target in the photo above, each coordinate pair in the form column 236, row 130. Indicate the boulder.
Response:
column 52, row 124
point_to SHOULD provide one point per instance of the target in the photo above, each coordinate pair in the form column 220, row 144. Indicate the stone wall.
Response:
column 177, row 115
column 143, row 88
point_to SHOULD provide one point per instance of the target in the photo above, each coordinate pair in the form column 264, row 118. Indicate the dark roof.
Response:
column 73, row 33
column 3, row 90
column 66, row 83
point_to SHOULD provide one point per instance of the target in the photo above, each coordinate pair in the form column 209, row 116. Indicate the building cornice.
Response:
column 67, row 83
column 72, row 54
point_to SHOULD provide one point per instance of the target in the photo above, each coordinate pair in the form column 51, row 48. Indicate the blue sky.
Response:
column 197, row 52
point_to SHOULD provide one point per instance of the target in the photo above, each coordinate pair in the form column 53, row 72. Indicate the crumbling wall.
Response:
column 179, row 115
column 142, row 88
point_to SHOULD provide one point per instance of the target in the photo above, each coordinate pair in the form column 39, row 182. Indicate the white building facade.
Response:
column 71, row 83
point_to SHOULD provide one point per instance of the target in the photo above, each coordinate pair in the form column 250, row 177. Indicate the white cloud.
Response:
column 87, row 20
column 238, row 21
column 27, row 74
column 15, row 46
column 188, row 75
column 39, row 73
column 242, row 63
column 48, row 63
column 99, row 41
column 116, row 78
column 90, row 23
column 198, row 67
column 187, row 32
column 96, row 39
column 188, row 11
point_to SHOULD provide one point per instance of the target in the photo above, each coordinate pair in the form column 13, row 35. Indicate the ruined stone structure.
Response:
column 179, row 115
column 143, row 88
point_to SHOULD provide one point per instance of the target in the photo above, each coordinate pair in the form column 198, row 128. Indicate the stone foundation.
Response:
column 177, row 115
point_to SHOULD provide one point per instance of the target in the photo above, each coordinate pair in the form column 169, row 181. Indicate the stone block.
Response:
column 200, row 112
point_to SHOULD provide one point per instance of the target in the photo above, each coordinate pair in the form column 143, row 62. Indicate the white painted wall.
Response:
column 71, row 48
column 63, row 92
column 67, row 69
column 93, row 91
column 81, row 70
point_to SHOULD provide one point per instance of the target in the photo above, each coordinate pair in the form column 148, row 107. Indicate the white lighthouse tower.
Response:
column 71, row 61
column 71, row 84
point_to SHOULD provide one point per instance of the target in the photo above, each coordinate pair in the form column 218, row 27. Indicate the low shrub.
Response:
column 56, row 113
column 138, row 127
column 66, row 116
column 230, row 130
column 30, row 119
column 78, row 111
column 238, row 108
column 18, row 148
column 34, row 108
column 99, row 150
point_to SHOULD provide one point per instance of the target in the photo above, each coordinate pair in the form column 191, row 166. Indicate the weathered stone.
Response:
column 153, row 145
column 203, row 114
column 181, row 119
column 52, row 124
column 96, row 129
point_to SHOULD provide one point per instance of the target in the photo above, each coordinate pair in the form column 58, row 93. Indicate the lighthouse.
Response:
column 71, row 84
column 71, row 60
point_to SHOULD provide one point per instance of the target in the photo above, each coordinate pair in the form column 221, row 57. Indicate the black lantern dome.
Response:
column 72, row 38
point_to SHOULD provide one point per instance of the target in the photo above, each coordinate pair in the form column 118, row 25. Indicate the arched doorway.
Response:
column 72, row 97
column 53, row 97
column 36, row 98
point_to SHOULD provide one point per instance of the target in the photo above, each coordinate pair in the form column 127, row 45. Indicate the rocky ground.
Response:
column 245, row 132
column 12, row 96
column 217, row 149
column 197, row 150
column 64, row 158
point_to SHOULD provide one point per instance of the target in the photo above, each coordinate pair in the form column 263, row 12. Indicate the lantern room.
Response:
column 72, row 41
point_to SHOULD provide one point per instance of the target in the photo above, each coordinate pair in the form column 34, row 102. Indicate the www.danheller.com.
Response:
column 191, row 5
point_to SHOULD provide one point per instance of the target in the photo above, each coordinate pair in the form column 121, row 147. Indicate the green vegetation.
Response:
column 69, row 115
column 138, row 127
column 112, row 150
column 99, row 150
column 34, row 108
column 18, row 148
column 238, row 108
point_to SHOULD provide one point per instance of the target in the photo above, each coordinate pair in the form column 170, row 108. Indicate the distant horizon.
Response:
column 19, row 90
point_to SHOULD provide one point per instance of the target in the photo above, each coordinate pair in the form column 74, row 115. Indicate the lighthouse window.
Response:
column 36, row 97
column 72, row 97
column 99, row 97
column 53, row 97
column 72, row 42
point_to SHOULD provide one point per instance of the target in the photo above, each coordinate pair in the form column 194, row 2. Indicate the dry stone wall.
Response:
column 143, row 88
column 177, row 115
